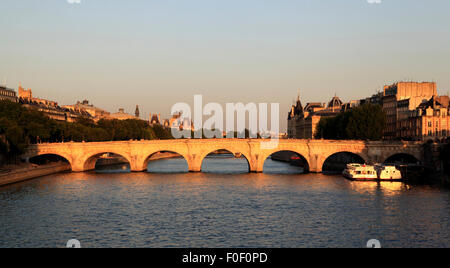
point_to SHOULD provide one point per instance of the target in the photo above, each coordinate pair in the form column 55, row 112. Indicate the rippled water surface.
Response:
column 220, row 210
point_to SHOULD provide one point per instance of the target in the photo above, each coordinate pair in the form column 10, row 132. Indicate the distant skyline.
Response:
column 119, row 54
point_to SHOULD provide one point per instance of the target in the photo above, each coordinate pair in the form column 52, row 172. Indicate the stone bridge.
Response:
column 83, row 156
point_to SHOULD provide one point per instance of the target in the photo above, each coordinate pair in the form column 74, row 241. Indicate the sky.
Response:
column 155, row 53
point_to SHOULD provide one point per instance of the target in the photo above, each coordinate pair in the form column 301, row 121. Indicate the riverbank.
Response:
column 19, row 173
column 29, row 172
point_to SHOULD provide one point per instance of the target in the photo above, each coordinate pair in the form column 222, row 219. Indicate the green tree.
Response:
column 21, row 126
column 365, row 122
column 162, row 133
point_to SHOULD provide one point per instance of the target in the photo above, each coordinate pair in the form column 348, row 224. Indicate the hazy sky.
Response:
column 155, row 53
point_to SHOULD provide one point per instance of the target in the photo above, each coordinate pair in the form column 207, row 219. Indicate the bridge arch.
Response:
column 403, row 158
column 162, row 155
column 46, row 158
column 299, row 163
column 269, row 153
column 235, row 154
column 337, row 162
column 89, row 162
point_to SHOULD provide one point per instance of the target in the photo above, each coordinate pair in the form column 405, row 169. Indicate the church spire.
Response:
column 298, row 106
column 137, row 113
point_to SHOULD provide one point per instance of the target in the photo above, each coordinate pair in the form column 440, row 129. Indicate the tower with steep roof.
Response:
column 137, row 113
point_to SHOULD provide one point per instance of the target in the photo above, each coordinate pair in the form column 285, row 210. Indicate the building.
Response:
column 429, row 121
column 177, row 121
column 350, row 105
column 374, row 99
column 121, row 115
column 7, row 94
column 88, row 109
column 155, row 119
column 303, row 122
column 49, row 108
column 27, row 96
column 401, row 98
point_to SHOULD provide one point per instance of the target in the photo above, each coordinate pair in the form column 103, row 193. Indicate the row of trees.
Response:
column 365, row 122
column 20, row 127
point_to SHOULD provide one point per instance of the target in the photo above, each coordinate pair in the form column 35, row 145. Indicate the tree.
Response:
column 161, row 133
column 365, row 122
column 21, row 126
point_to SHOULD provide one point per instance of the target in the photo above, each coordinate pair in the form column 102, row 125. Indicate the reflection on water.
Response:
column 220, row 210
column 387, row 188
column 225, row 164
column 276, row 167
column 172, row 165
column 118, row 168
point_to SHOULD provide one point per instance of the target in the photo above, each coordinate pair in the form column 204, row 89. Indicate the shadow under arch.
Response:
column 108, row 162
column 286, row 162
column 223, row 161
column 401, row 158
column 166, row 162
column 337, row 162
column 45, row 159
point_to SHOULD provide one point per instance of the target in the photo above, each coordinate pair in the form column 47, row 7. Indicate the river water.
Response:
column 222, row 207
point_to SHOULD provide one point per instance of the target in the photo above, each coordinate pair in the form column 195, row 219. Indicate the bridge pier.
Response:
column 194, row 163
column 138, row 164
column 77, row 164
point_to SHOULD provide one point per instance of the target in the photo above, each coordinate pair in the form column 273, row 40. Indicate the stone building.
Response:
column 155, row 119
column 429, row 121
column 7, row 94
column 85, row 108
column 25, row 93
column 49, row 108
column 302, row 122
column 374, row 99
column 27, row 96
column 177, row 121
column 401, row 98
column 122, row 115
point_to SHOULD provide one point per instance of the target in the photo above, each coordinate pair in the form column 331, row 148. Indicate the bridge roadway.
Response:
column 83, row 156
